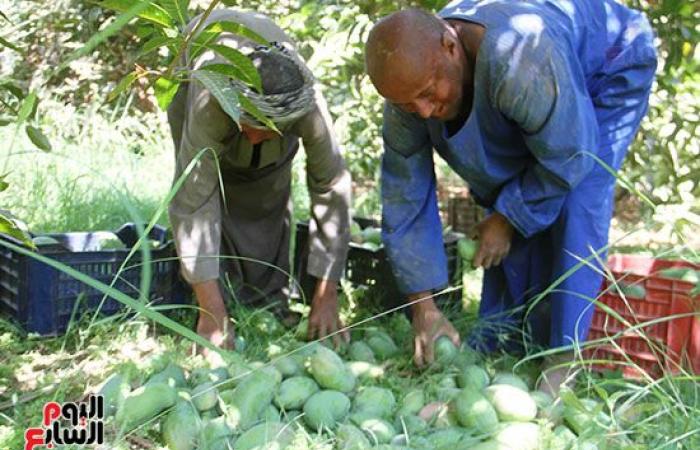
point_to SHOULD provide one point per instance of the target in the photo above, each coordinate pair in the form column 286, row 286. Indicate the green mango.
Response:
column 330, row 372
column 375, row 401
column 205, row 396
column 294, row 392
column 181, row 427
column 519, row 436
column 473, row 376
column 288, row 366
column 467, row 248
column 114, row 390
column 512, row 404
column 349, row 437
column 509, row 378
column 172, row 375
column 381, row 344
column 143, row 404
column 360, row 351
column 265, row 436
column 215, row 435
column 473, row 410
column 250, row 398
column 379, row 430
column 325, row 409
column 445, row 351
column 412, row 403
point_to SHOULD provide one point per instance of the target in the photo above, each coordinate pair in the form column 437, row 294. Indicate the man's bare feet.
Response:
column 558, row 371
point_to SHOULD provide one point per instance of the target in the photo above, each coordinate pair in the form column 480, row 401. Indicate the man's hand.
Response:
column 494, row 234
column 213, row 324
column 428, row 325
column 324, row 319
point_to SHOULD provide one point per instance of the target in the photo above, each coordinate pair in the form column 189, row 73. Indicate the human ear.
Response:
column 449, row 40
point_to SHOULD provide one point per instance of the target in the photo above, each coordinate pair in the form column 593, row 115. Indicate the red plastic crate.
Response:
column 694, row 347
column 657, row 348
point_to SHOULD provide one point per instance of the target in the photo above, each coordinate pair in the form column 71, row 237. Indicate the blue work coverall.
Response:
column 560, row 88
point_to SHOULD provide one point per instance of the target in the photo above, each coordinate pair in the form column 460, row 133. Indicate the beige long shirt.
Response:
column 198, row 122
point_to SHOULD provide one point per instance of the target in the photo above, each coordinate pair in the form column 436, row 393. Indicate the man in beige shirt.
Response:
column 238, row 225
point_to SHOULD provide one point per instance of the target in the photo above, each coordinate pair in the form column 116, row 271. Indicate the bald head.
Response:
column 401, row 46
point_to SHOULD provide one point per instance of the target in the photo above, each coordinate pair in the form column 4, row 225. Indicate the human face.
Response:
column 257, row 135
column 433, row 90
column 437, row 96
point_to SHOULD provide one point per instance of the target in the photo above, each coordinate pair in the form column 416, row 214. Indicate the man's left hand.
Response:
column 494, row 234
column 324, row 319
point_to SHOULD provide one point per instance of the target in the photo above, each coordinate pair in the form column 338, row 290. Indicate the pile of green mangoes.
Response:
column 351, row 402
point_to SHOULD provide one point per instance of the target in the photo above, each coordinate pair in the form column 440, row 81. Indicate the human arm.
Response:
column 411, row 229
column 195, row 208
column 539, row 85
column 329, row 185
column 213, row 323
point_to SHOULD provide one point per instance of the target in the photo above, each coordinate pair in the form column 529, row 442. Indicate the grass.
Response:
column 105, row 171
column 653, row 414
column 100, row 174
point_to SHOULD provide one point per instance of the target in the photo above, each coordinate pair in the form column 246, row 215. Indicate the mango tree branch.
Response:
column 190, row 36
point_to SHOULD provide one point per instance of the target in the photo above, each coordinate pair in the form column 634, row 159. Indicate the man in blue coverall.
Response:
column 533, row 103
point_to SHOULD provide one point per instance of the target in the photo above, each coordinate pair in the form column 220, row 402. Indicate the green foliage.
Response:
column 99, row 172
column 38, row 138
column 332, row 37
column 242, row 65
column 665, row 158
column 663, row 161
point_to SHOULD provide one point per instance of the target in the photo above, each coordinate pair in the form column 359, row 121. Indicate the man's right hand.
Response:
column 213, row 324
column 428, row 325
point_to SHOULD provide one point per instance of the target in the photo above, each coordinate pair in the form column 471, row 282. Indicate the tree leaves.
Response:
column 10, row 228
column 133, row 10
column 226, row 26
column 246, row 70
column 165, row 90
column 222, row 89
column 227, row 70
column 214, row 30
column 38, row 138
column 253, row 110
column 27, row 108
column 157, row 42
column 124, row 84
column 4, row 184
column 149, row 12
column 11, row 87
column 8, row 44
column 228, row 97
column 176, row 10
column 27, row 111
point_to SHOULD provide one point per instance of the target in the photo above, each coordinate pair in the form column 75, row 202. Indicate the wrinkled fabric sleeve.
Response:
column 538, row 84
column 329, row 184
column 411, row 228
column 195, row 210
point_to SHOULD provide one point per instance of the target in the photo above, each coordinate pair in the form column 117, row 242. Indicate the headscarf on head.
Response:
column 288, row 85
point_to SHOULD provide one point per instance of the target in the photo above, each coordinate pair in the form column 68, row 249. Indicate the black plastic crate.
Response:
column 304, row 284
column 43, row 299
column 372, row 270
column 463, row 214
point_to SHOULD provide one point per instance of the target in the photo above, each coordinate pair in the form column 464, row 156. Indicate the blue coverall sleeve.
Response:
column 540, row 86
column 411, row 228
